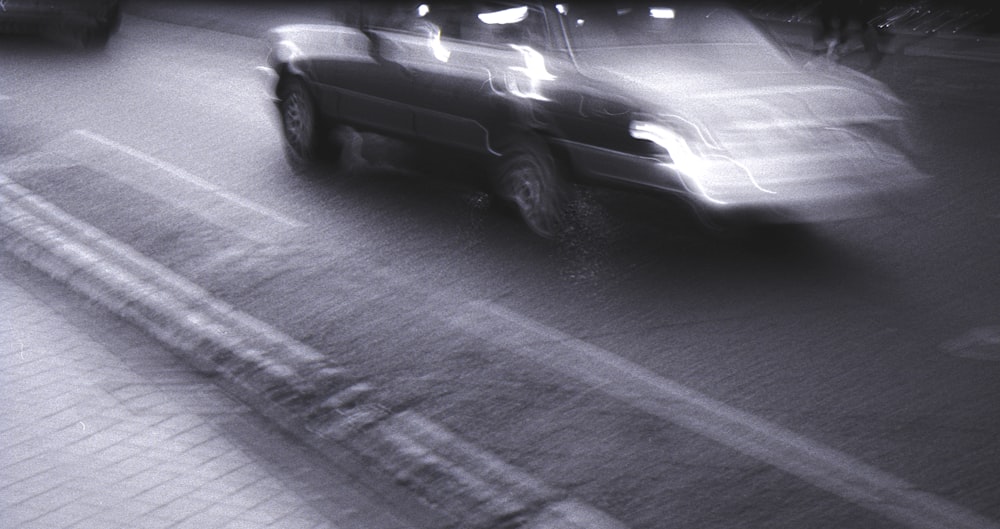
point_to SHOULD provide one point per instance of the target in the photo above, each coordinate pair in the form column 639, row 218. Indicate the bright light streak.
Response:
column 423, row 9
column 561, row 8
column 534, row 63
column 675, row 145
column 505, row 16
column 690, row 164
column 534, row 69
column 687, row 161
column 437, row 49
column 661, row 12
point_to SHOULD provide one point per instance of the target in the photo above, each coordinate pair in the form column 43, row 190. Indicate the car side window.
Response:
column 402, row 17
column 497, row 24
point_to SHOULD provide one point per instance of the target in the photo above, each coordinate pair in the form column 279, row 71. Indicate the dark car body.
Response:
column 92, row 22
column 692, row 100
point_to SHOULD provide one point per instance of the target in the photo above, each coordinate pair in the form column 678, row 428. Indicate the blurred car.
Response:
column 92, row 22
column 693, row 100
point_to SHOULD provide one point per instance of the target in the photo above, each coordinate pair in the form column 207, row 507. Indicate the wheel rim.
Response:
column 526, row 189
column 297, row 122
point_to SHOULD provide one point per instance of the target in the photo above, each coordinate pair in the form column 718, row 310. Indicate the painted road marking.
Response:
column 196, row 181
column 981, row 343
column 751, row 435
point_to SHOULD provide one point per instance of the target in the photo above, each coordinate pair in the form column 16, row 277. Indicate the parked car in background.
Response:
column 688, row 99
column 91, row 22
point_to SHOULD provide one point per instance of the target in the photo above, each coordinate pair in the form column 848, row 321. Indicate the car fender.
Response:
column 284, row 59
column 294, row 46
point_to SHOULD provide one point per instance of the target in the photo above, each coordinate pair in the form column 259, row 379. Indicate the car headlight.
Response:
column 705, row 170
column 676, row 146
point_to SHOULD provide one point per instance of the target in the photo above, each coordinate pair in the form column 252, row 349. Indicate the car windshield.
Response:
column 596, row 25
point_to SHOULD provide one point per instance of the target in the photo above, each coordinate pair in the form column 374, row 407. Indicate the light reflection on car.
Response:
column 692, row 100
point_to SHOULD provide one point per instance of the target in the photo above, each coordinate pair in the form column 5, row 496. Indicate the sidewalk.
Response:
column 800, row 34
column 402, row 453
column 93, row 437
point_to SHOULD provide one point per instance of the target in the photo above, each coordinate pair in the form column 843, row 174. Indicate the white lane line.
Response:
column 754, row 436
column 981, row 343
column 181, row 174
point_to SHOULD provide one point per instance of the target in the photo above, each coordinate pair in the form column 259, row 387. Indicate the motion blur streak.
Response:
column 819, row 465
column 720, row 115
column 437, row 49
column 534, row 69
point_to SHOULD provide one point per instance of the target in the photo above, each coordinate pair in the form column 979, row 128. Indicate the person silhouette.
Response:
column 841, row 21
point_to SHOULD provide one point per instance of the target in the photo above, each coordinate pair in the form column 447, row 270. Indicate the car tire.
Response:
column 530, row 178
column 105, row 26
column 305, row 134
column 96, row 37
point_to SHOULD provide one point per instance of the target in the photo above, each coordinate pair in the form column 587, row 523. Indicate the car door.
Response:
column 430, row 82
column 369, row 89
column 460, row 72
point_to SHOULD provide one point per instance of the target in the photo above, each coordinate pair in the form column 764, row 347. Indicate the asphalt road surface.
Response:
column 837, row 375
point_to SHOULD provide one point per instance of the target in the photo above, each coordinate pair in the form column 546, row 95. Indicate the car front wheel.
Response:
column 530, row 178
column 302, row 128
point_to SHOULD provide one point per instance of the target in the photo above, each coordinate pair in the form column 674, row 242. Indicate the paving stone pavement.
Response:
column 124, row 434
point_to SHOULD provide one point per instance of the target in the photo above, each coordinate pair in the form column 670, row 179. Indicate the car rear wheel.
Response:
column 105, row 25
column 530, row 178
column 305, row 135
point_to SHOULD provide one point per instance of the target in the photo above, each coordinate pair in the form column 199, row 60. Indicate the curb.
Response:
column 301, row 389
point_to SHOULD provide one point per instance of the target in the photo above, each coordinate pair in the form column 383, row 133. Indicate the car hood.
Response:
column 799, row 134
column 733, row 87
